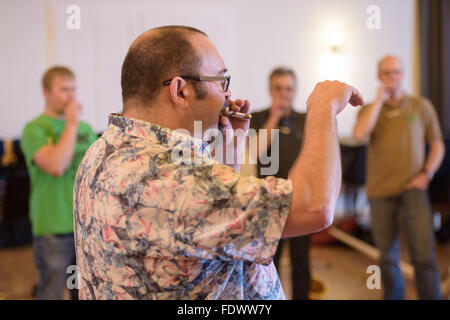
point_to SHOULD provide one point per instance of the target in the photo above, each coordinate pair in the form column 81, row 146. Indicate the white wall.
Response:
column 252, row 36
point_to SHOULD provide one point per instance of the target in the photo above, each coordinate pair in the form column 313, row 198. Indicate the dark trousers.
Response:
column 301, row 276
column 410, row 210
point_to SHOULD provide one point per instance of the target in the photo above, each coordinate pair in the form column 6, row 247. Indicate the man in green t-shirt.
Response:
column 54, row 144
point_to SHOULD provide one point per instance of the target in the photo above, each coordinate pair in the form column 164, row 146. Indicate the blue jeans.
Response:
column 52, row 255
column 410, row 210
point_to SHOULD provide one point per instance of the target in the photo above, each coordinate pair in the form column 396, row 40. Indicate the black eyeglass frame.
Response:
column 225, row 81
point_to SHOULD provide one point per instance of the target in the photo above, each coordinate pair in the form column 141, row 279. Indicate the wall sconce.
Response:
column 336, row 41
column 331, row 63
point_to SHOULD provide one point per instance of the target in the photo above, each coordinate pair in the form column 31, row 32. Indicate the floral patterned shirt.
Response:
column 150, row 227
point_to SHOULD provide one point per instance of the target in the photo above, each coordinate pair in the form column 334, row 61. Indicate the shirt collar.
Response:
column 401, row 103
column 155, row 133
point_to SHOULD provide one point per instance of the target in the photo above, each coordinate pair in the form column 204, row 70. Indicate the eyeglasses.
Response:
column 388, row 72
column 224, row 81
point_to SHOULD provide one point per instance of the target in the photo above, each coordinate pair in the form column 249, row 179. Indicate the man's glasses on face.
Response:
column 224, row 81
column 389, row 72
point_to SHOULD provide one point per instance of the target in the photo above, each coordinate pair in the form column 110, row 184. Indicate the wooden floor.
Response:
column 342, row 270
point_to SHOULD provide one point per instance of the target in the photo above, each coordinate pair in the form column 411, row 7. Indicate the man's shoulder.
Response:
column 420, row 101
column 38, row 123
column 421, row 104
column 83, row 125
column 417, row 99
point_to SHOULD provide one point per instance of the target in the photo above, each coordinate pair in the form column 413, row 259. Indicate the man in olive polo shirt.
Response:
column 54, row 143
column 398, row 174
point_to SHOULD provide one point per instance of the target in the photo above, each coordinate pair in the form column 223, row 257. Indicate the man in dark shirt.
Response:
column 281, row 116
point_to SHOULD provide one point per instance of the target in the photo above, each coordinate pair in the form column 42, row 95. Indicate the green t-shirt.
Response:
column 51, row 199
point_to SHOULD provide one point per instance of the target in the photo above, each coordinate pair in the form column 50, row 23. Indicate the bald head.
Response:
column 390, row 73
column 155, row 56
column 388, row 61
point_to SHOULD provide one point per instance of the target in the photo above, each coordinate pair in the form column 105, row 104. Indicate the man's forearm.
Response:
column 319, row 163
column 316, row 175
column 62, row 152
column 435, row 156
column 367, row 121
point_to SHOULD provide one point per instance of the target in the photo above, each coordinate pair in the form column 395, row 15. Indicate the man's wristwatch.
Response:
column 429, row 173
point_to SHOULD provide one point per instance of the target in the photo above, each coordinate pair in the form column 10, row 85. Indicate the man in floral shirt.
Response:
column 151, row 224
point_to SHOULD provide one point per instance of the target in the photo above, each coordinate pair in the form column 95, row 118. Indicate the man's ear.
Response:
column 379, row 75
column 45, row 92
column 179, row 91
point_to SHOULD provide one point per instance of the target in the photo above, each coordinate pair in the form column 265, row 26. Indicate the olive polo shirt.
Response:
column 396, row 150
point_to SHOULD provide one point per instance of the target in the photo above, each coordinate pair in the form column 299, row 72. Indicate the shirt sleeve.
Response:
column 230, row 217
column 432, row 127
column 33, row 138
